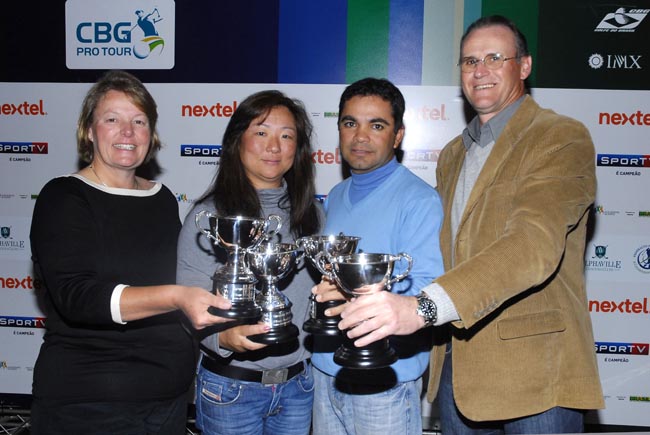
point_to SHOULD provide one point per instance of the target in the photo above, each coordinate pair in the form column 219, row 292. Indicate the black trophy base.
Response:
column 373, row 356
column 238, row 310
column 280, row 334
column 320, row 324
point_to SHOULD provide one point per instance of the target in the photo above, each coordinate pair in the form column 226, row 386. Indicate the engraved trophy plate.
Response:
column 233, row 280
column 358, row 275
column 331, row 246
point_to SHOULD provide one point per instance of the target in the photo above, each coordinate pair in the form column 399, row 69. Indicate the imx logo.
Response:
column 622, row 20
column 622, row 348
column 188, row 150
column 23, row 109
column 615, row 61
column 23, row 147
column 128, row 34
column 623, row 160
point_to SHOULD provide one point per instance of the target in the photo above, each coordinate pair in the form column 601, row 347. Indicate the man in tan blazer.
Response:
column 516, row 351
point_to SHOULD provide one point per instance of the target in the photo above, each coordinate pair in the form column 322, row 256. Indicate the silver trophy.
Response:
column 234, row 280
column 319, row 249
column 358, row 275
column 270, row 262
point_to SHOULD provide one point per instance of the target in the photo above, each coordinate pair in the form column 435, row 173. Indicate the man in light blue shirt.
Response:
column 387, row 400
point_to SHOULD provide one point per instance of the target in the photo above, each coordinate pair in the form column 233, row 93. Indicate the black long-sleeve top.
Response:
column 87, row 239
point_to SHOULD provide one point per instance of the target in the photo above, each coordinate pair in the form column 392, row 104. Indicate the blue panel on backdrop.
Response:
column 405, row 41
column 312, row 41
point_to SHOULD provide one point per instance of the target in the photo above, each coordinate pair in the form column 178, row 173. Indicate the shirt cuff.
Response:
column 446, row 310
column 116, row 314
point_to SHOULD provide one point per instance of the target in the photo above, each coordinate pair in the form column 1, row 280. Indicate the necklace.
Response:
column 135, row 180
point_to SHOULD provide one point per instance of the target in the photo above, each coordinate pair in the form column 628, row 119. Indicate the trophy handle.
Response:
column 321, row 261
column 403, row 275
column 278, row 224
column 300, row 258
column 197, row 222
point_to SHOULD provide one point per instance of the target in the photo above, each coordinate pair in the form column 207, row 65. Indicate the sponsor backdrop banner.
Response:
column 199, row 60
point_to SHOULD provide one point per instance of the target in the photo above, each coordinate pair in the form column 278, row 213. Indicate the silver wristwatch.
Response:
column 427, row 309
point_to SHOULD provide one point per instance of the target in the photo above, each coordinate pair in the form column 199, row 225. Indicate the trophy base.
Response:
column 373, row 356
column 238, row 310
column 320, row 324
column 323, row 326
column 281, row 334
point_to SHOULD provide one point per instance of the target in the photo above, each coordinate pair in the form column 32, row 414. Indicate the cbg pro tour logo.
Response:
column 124, row 34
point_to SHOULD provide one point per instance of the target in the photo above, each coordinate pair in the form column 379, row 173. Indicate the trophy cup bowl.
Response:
column 319, row 249
column 233, row 280
column 358, row 275
column 270, row 262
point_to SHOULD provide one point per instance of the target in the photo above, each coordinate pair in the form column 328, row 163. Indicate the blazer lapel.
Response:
column 504, row 145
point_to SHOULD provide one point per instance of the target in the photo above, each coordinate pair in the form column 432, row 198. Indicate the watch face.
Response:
column 427, row 309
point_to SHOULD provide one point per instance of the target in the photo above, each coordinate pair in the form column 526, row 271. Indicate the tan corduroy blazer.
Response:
column 524, row 343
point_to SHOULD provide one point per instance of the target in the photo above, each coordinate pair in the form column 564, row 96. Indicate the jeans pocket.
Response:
column 306, row 380
column 220, row 393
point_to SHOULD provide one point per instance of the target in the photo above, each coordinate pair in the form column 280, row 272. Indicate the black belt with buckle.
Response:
column 273, row 376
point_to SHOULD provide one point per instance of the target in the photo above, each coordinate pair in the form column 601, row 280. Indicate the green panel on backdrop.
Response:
column 367, row 41
column 525, row 15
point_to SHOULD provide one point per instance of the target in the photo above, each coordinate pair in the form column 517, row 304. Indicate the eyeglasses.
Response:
column 491, row 61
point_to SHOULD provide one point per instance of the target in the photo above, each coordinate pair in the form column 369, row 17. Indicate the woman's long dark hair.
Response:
column 232, row 191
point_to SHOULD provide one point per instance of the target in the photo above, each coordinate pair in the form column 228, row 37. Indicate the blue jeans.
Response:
column 394, row 411
column 230, row 407
column 555, row 420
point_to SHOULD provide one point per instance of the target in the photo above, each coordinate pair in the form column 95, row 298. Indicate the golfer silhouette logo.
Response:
column 151, row 41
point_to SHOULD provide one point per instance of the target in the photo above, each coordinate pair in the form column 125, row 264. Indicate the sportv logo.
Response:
column 618, row 118
column 622, row 348
column 626, row 306
column 23, row 147
column 622, row 21
column 188, row 150
column 22, row 322
column 421, row 155
column 623, row 160
column 25, row 109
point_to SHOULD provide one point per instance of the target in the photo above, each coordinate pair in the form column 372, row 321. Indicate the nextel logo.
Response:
column 215, row 111
column 23, row 147
column 622, row 348
column 25, row 109
column 636, row 118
